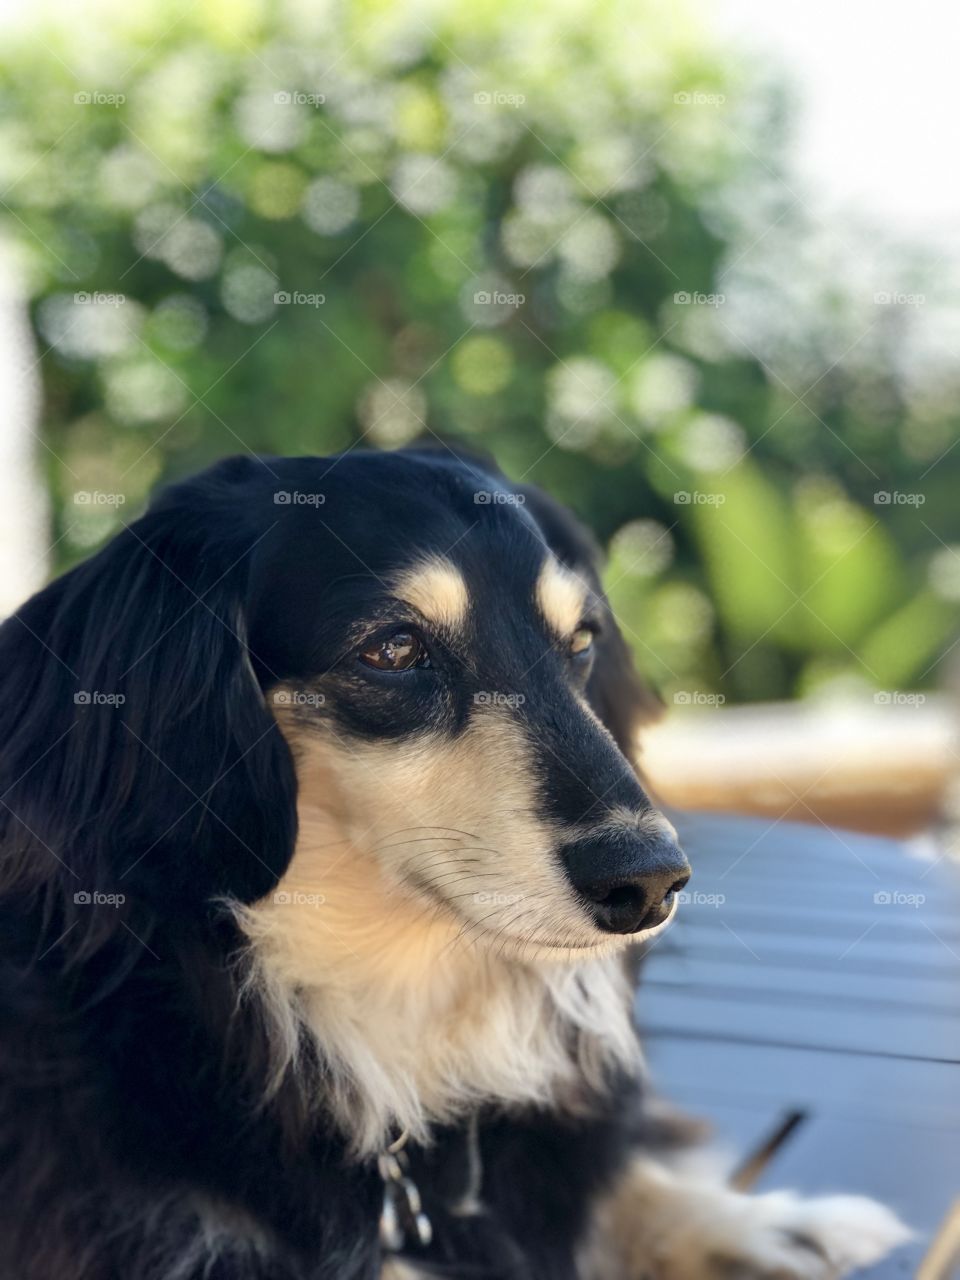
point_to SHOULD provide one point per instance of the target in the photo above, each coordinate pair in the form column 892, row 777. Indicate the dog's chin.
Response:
column 548, row 944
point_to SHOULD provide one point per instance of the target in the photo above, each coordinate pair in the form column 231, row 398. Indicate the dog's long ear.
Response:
column 615, row 691
column 138, row 756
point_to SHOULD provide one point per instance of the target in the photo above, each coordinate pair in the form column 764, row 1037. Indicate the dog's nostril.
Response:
column 678, row 886
column 621, row 909
column 623, row 898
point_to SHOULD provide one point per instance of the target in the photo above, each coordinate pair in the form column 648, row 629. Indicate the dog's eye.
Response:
column 581, row 642
column 397, row 652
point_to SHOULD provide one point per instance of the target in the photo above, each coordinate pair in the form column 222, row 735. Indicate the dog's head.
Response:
column 402, row 643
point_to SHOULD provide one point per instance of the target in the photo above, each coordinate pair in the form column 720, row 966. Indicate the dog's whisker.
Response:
column 399, row 844
column 501, row 936
column 462, row 875
column 411, row 864
column 423, row 840
column 452, row 897
column 473, row 848
column 456, row 830
column 453, row 851
column 444, row 858
column 452, row 946
column 420, row 868
column 507, row 926
column 451, row 880
column 438, row 877
column 478, row 928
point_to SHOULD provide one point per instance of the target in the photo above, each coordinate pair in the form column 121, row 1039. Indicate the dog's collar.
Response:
column 402, row 1219
column 404, row 1224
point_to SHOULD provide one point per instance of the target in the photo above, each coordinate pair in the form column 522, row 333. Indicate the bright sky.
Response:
column 878, row 86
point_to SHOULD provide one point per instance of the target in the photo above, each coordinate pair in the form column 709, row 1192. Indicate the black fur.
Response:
column 140, row 764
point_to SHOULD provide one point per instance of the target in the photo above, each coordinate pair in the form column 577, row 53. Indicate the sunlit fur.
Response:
column 436, row 588
column 562, row 596
column 687, row 1223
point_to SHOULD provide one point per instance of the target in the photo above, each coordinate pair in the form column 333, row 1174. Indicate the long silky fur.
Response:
column 484, row 1029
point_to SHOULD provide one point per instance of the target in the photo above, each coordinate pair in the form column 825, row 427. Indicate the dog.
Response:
column 323, row 858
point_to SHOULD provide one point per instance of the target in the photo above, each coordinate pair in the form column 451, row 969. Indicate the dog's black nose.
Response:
column 628, row 880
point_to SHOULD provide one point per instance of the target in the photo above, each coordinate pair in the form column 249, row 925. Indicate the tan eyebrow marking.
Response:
column 562, row 596
column 437, row 589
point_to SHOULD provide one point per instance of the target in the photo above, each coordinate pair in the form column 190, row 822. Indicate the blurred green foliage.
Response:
column 291, row 228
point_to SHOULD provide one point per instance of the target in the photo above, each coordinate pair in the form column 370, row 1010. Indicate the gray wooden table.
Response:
column 815, row 973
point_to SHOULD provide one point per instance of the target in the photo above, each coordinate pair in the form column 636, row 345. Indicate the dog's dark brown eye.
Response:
column 397, row 652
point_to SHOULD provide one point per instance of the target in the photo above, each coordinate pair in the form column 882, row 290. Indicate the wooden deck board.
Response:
column 787, row 985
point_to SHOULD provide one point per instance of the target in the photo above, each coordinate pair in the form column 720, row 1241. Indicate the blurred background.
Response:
column 690, row 267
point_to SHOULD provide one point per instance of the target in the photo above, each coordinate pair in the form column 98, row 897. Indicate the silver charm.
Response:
column 402, row 1218
column 391, row 1233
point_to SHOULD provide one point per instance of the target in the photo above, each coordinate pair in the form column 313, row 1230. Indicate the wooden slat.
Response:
column 868, row 956
column 692, row 1069
column 767, row 1020
column 838, row 984
column 927, row 955
column 828, row 923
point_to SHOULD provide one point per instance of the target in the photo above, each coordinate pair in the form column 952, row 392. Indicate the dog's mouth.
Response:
column 498, row 929
column 604, row 943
